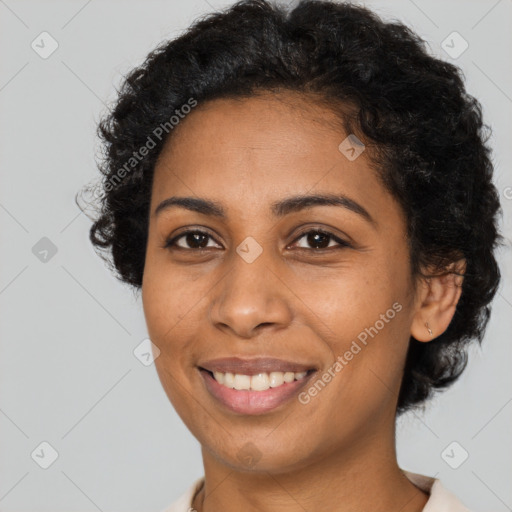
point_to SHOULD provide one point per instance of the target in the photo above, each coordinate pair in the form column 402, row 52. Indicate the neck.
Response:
column 362, row 477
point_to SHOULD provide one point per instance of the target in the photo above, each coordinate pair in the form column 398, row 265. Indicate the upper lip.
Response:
column 254, row 366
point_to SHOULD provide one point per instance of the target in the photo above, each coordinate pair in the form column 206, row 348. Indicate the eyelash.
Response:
column 342, row 244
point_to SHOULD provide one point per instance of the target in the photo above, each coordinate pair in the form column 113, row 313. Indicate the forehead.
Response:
column 259, row 149
column 280, row 122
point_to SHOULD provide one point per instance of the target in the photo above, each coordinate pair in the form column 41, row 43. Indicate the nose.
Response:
column 250, row 298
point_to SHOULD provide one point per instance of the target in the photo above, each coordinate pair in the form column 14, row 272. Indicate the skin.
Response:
column 295, row 301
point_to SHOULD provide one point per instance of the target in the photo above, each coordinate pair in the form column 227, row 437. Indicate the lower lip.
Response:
column 253, row 402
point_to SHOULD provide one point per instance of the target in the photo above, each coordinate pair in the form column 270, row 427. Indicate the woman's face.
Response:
column 259, row 290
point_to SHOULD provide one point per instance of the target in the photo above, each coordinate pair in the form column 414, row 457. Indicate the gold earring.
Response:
column 429, row 329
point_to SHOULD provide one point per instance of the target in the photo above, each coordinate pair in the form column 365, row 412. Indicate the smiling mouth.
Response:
column 254, row 394
column 258, row 382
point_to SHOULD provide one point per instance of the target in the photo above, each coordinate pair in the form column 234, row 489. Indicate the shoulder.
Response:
column 441, row 499
column 184, row 502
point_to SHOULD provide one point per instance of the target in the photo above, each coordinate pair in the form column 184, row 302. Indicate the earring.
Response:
column 429, row 329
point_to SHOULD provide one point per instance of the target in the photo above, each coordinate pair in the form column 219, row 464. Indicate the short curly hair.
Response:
column 428, row 140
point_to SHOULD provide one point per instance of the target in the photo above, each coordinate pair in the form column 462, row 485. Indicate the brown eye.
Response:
column 191, row 240
column 317, row 240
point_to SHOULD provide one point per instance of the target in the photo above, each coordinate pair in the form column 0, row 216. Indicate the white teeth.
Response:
column 229, row 380
column 276, row 379
column 242, row 382
column 219, row 377
column 289, row 377
column 259, row 382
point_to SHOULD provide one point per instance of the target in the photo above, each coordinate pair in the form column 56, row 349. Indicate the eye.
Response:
column 193, row 240
column 198, row 240
column 320, row 240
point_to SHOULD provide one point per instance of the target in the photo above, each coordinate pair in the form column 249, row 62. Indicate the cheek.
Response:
column 169, row 299
column 348, row 300
column 363, row 315
column 165, row 305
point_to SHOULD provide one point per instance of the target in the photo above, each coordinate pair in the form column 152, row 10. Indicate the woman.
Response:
column 305, row 201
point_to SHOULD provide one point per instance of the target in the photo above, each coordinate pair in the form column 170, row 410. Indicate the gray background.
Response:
column 68, row 329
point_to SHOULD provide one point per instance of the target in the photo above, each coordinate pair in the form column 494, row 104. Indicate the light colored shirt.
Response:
column 440, row 500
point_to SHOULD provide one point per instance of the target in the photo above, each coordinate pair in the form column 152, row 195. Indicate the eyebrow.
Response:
column 278, row 209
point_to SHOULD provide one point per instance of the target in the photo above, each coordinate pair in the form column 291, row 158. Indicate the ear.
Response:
column 436, row 300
